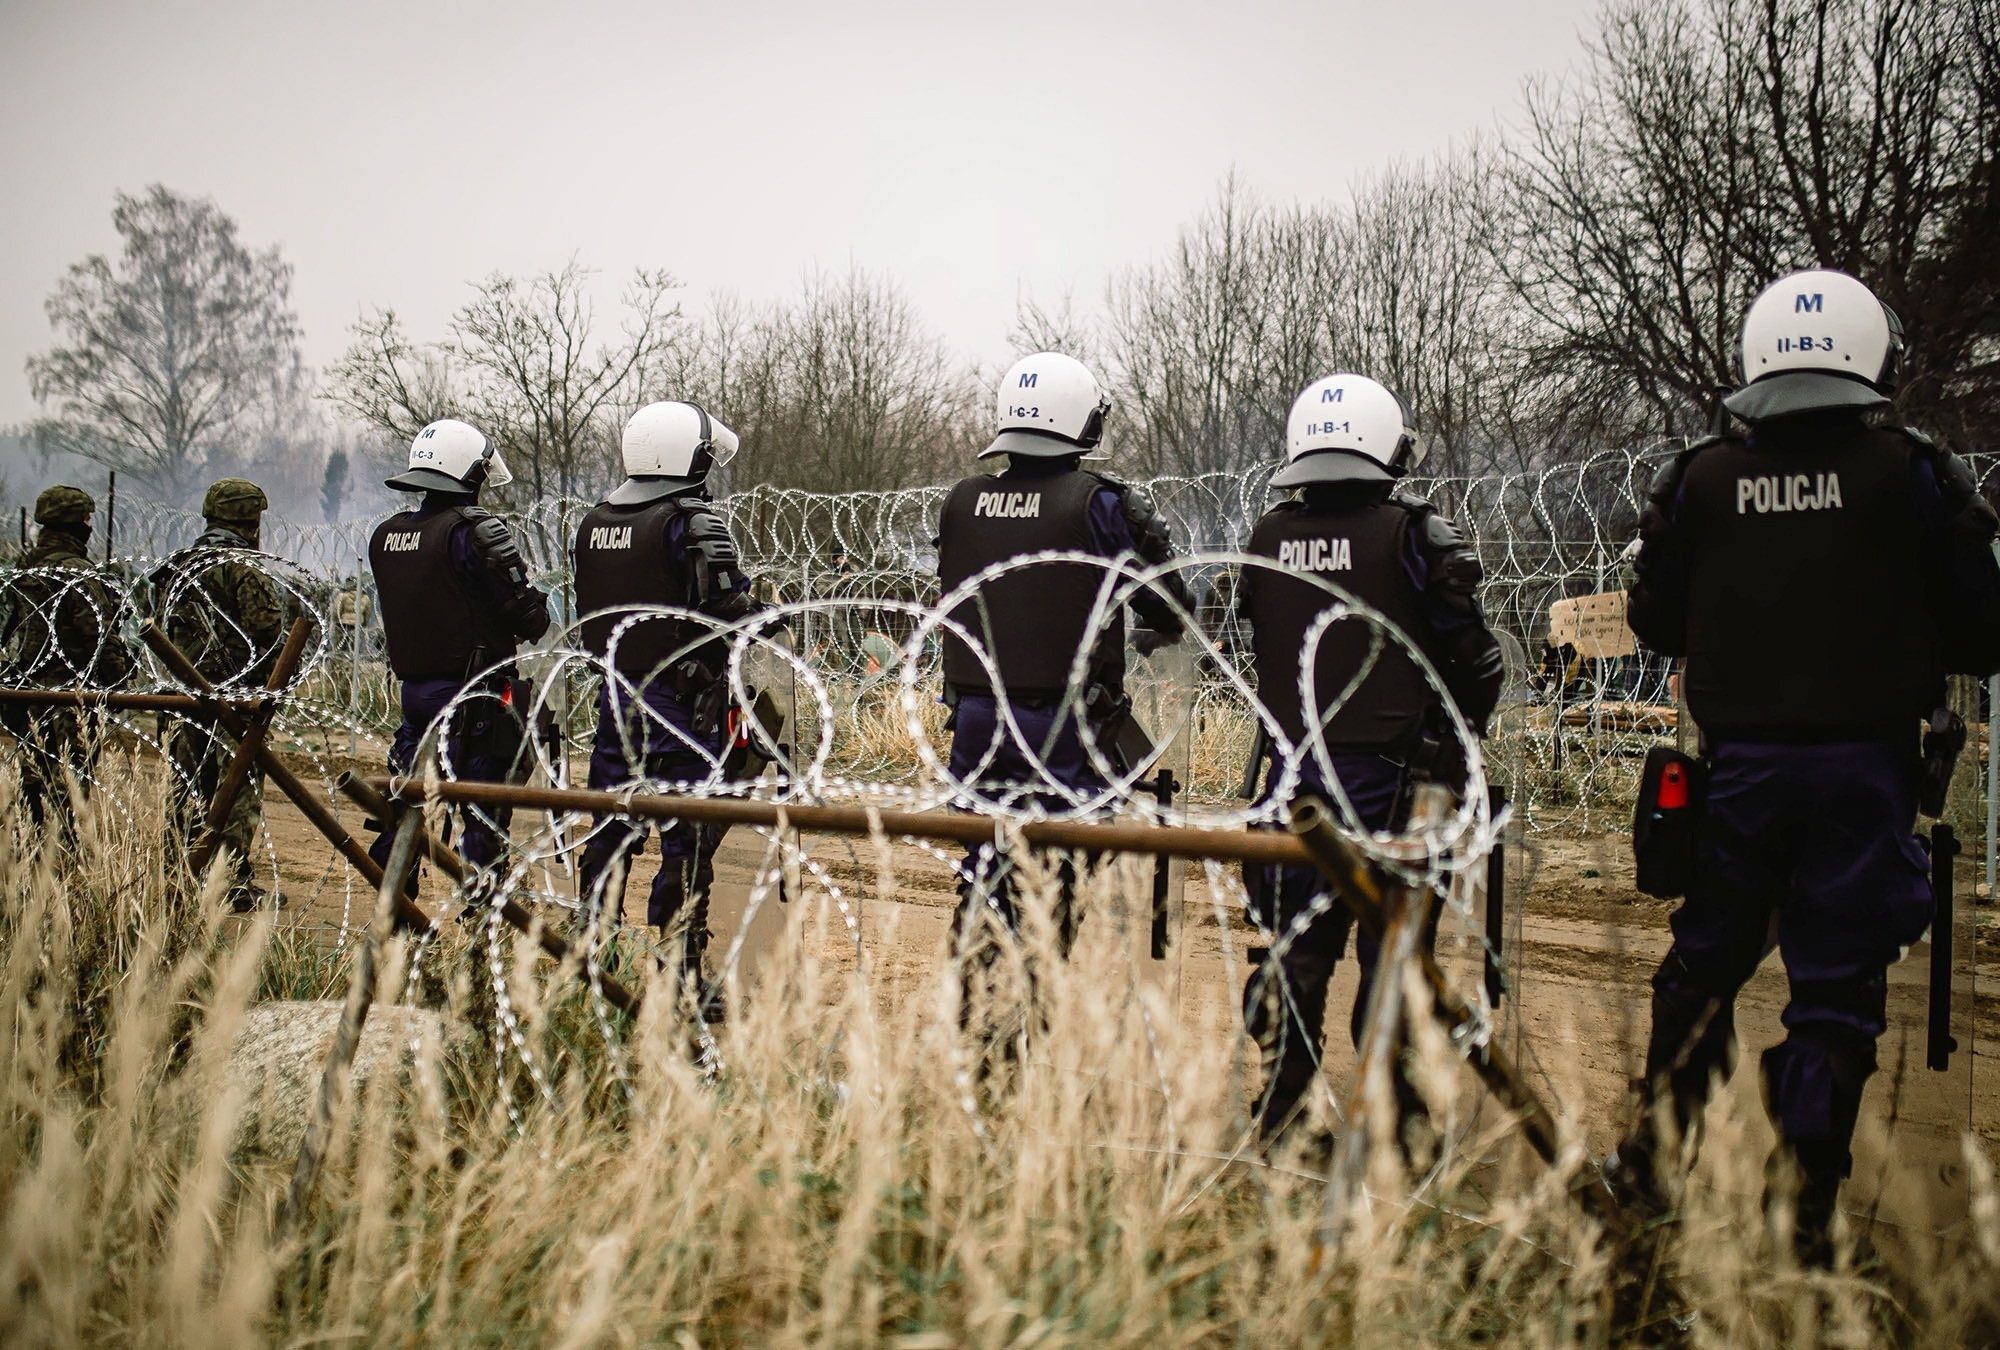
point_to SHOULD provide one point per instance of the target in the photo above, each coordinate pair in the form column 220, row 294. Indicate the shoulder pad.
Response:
column 1441, row 533
column 1952, row 470
column 1410, row 501
column 1109, row 480
column 489, row 531
column 707, row 531
column 472, row 511
column 1668, row 480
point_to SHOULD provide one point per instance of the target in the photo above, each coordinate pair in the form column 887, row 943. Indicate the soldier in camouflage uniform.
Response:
column 59, row 632
column 230, row 618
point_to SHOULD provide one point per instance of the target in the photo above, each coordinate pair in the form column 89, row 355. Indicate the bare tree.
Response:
column 843, row 390
column 1211, row 346
column 1715, row 144
column 393, row 385
column 165, row 354
column 1188, row 339
column 523, row 362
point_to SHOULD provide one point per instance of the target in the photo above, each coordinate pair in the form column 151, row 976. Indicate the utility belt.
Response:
column 1673, row 789
column 499, row 725
column 1039, row 699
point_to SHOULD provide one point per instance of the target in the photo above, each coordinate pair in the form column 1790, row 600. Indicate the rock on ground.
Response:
column 281, row 1053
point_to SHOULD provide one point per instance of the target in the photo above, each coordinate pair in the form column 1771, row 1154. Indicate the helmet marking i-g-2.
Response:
column 1049, row 405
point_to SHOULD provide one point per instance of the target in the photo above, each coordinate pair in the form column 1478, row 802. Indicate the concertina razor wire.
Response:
column 846, row 649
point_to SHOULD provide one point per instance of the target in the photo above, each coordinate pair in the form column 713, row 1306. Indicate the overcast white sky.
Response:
column 397, row 150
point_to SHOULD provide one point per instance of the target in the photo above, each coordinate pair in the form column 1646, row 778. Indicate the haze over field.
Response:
column 398, row 151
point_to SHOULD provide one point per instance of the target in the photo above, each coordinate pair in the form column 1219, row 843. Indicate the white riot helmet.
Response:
column 670, row 447
column 452, row 456
column 1344, row 429
column 1050, row 405
column 1813, row 342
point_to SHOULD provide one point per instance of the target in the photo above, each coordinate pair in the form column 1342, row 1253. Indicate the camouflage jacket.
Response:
column 58, row 631
column 229, row 616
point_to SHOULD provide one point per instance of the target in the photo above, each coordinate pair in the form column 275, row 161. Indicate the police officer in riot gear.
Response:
column 456, row 605
column 661, row 712
column 1378, row 719
column 1032, row 621
column 1819, row 572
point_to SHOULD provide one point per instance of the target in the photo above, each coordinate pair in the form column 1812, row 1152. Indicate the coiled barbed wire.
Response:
column 847, row 646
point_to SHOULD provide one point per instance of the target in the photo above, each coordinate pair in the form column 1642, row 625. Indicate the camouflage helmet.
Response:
column 236, row 501
column 64, row 505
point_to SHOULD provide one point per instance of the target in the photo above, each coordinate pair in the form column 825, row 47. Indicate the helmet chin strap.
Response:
column 1093, row 425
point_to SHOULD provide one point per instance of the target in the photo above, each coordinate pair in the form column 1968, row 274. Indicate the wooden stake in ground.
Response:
column 408, row 914
column 385, row 813
column 280, row 774
column 353, row 1016
column 237, row 775
column 1359, row 886
column 1406, row 917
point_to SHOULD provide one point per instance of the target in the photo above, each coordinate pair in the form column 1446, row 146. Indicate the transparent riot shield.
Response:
column 1909, row 1169
column 1165, row 692
column 1503, row 880
column 1481, row 943
column 744, row 868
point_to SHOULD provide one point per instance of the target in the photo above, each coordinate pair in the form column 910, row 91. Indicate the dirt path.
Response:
column 1587, row 947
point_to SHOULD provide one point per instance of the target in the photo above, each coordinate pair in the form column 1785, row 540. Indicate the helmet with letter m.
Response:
column 1816, row 341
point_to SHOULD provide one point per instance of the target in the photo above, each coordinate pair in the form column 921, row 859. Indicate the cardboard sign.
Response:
column 1594, row 625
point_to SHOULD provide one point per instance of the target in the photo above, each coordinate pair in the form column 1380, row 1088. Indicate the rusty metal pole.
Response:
column 237, row 775
column 88, row 699
column 353, row 1017
column 1179, row 841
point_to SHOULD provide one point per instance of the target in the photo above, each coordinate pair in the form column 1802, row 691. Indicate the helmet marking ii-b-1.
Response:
column 1347, row 428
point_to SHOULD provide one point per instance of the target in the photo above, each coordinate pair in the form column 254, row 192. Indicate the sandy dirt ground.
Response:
column 1578, row 965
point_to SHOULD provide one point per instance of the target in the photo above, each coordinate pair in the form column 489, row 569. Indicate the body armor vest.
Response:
column 622, row 559
column 1360, row 550
column 434, row 629
column 1030, row 621
column 1807, row 612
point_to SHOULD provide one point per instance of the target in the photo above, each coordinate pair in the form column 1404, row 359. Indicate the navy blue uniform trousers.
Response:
column 1013, row 776
column 1284, row 1001
column 1809, row 849
column 477, row 747
column 644, row 739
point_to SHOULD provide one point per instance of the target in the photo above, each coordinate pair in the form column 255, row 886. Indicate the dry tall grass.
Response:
column 845, row 1175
